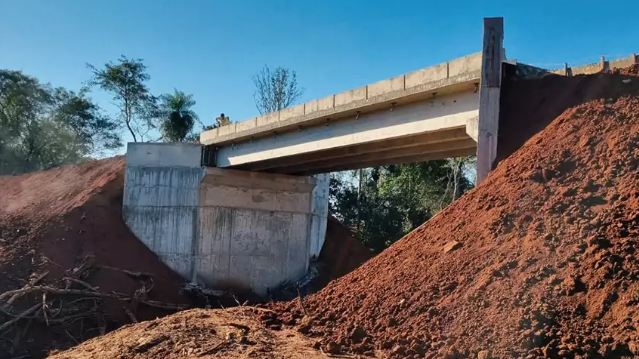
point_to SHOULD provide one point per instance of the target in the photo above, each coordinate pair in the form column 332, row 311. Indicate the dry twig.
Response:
column 24, row 314
column 161, row 305
column 82, row 283
column 53, row 290
column 299, row 295
column 136, row 275
column 130, row 314
column 31, row 283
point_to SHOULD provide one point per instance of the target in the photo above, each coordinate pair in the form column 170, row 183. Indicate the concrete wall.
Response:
column 593, row 68
column 319, row 212
column 161, row 194
column 219, row 227
column 253, row 229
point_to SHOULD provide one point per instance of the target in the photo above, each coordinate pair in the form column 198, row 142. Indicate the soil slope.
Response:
column 538, row 261
column 54, row 221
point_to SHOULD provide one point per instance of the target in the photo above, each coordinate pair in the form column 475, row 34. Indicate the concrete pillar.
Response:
column 489, row 96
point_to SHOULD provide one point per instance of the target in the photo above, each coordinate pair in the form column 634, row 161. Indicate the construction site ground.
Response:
column 538, row 261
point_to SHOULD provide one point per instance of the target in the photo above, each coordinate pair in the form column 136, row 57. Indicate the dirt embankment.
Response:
column 66, row 223
column 539, row 261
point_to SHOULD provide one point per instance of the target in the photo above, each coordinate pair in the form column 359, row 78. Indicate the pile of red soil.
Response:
column 341, row 252
column 52, row 221
column 540, row 260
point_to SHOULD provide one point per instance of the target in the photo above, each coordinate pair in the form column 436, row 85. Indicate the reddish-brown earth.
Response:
column 51, row 221
column 341, row 252
column 540, row 260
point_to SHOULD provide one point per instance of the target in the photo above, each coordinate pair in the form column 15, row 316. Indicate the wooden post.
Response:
column 489, row 95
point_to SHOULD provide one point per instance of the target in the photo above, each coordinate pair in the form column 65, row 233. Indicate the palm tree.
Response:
column 178, row 118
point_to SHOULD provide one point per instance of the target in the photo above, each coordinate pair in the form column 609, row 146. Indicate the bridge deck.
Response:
column 451, row 77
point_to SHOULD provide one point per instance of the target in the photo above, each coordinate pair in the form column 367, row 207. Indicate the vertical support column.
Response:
column 489, row 95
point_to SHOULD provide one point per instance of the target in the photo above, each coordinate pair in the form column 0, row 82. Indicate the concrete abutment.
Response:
column 221, row 227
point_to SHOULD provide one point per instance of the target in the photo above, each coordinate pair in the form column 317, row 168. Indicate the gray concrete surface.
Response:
column 444, row 79
column 595, row 67
column 223, row 228
column 161, row 195
column 254, row 229
column 354, row 142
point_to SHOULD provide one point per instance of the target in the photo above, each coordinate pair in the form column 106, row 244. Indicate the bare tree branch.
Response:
column 275, row 90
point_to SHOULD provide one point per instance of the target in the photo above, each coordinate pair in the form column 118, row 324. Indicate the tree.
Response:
column 126, row 82
column 387, row 202
column 275, row 90
column 178, row 118
column 94, row 130
column 43, row 127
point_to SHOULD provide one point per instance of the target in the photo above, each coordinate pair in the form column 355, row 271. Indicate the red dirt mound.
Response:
column 341, row 252
column 540, row 260
column 70, row 217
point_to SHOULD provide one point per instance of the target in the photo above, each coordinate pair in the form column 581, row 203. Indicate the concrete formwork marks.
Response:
column 252, row 237
column 220, row 227
column 160, row 202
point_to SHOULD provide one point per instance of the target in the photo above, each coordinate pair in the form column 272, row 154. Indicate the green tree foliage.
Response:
column 178, row 118
column 43, row 127
column 126, row 80
column 393, row 200
column 275, row 89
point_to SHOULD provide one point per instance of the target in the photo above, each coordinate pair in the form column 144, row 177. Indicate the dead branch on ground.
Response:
column 130, row 314
column 24, row 314
column 136, row 275
column 31, row 283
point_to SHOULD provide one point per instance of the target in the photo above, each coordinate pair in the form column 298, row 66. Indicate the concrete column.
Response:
column 489, row 96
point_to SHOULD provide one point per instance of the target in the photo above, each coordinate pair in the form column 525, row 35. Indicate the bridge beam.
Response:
column 432, row 156
column 353, row 151
column 387, row 157
column 397, row 125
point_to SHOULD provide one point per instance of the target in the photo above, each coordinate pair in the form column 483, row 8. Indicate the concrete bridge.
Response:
column 443, row 111
column 248, row 207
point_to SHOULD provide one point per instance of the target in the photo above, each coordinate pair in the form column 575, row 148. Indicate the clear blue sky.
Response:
column 212, row 48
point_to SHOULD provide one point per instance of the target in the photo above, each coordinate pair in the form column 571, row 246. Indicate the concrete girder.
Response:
column 342, row 152
column 389, row 156
column 437, row 114
column 392, row 161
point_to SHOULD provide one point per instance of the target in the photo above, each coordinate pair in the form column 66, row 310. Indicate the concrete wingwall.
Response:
column 161, row 197
column 219, row 227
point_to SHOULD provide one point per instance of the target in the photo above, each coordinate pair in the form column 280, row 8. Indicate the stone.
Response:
column 451, row 246
column 333, row 348
column 358, row 334
column 399, row 350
